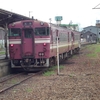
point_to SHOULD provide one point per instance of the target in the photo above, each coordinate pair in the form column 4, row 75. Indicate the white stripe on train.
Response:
column 36, row 41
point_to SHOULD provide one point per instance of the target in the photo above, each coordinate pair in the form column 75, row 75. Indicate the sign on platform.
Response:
column 58, row 18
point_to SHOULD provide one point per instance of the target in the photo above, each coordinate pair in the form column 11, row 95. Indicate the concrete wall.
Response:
column 4, row 68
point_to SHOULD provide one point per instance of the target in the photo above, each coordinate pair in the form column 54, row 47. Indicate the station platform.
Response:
column 2, row 57
column 4, row 66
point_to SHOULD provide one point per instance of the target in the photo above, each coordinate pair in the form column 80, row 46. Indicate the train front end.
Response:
column 29, row 44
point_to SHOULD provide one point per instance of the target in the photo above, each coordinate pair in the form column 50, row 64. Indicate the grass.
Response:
column 51, row 70
column 72, row 75
column 48, row 73
column 14, row 81
column 2, row 52
column 94, row 50
column 94, row 55
column 29, row 90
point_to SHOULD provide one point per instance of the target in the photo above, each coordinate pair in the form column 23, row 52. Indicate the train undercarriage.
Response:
column 28, row 63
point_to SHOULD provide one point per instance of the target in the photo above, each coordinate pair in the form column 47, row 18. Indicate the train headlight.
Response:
column 11, row 45
column 41, row 53
column 44, row 44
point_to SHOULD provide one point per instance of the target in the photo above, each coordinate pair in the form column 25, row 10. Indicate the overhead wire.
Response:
column 96, row 6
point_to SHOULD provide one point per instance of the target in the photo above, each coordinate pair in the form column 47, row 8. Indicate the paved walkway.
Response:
column 2, row 56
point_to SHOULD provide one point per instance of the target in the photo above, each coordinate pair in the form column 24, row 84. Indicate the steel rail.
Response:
column 18, row 83
column 6, row 79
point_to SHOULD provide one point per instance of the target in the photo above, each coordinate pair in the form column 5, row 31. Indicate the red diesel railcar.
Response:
column 33, row 43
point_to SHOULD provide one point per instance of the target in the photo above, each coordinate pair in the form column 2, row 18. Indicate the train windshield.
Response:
column 16, row 32
column 42, row 31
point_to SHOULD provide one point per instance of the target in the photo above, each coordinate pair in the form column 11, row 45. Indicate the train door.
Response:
column 51, row 32
column 27, row 43
column 68, row 41
column 72, row 40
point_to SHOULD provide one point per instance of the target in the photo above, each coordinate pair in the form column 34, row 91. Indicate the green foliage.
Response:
column 29, row 90
column 51, row 70
column 13, row 81
column 2, row 52
column 97, row 49
column 94, row 50
column 92, row 55
column 48, row 73
column 55, row 67
column 61, row 67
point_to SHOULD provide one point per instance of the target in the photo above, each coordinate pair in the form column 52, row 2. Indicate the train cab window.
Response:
column 15, row 32
column 28, row 33
column 42, row 31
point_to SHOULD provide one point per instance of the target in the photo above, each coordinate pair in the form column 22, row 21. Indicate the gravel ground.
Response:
column 80, row 80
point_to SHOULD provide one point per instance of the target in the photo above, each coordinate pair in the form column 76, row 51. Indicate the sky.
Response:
column 78, row 11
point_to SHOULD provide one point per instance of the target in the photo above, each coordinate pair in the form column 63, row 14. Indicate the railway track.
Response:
column 4, row 60
column 9, row 77
column 16, row 80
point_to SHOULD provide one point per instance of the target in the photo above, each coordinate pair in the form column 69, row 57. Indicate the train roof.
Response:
column 54, row 25
column 49, row 24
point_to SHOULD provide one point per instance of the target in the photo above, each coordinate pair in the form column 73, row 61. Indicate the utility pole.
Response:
column 29, row 13
column 50, row 20
column 96, row 7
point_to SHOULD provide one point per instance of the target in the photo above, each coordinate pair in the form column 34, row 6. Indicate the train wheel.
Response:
column 52, row 62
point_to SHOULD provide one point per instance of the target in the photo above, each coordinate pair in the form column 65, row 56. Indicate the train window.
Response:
column 14, row 32
column 28, row 33
column 48, row 30
column 42, row 31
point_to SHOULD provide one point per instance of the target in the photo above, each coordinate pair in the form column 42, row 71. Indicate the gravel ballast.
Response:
column 80, row 80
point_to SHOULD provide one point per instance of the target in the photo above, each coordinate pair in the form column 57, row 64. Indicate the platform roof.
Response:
column 7, row 17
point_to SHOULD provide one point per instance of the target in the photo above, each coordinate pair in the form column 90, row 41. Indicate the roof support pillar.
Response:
column 6, row 42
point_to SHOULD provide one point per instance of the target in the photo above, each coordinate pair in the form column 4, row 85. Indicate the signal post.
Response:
column 57, row 51
column 58, row 19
